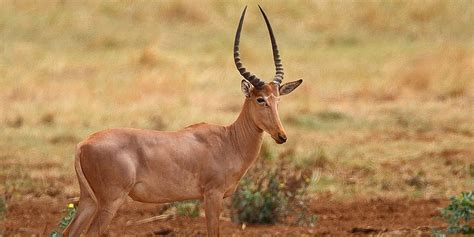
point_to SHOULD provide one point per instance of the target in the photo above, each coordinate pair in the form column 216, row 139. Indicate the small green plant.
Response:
column 263, row 202
column 69, row 216
column 458, row 215
column 275, row 195
column 188, row 208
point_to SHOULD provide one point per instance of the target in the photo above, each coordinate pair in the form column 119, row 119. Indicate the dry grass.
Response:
column 446, row 73
column 384, row 110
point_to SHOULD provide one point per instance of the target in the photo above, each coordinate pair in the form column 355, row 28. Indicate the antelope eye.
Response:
column 260, row 100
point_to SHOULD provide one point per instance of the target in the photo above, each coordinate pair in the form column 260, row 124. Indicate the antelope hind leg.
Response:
column 105, row 214
column 84, row 216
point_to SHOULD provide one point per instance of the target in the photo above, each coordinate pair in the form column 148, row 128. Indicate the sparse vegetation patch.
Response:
column 274, row 192
column 459, row 215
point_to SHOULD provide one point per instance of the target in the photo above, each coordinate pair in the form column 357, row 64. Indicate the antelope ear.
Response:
column 245, row 86
column 287, row 88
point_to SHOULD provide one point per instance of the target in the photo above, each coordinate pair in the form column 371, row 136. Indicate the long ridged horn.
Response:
column 254, row 80
column 276, row 54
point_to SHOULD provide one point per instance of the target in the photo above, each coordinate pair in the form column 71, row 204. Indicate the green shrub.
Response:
column 268, row 196
column 458, row 214
column 263, row 202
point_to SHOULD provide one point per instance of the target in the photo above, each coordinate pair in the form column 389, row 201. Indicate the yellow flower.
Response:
column 70, row 205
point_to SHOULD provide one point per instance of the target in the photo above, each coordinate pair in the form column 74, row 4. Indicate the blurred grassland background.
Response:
column 385, row 110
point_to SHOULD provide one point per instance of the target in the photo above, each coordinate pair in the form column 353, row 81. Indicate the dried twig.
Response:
column 149, row 219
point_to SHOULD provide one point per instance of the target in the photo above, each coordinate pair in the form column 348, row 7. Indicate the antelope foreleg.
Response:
column 212, row 205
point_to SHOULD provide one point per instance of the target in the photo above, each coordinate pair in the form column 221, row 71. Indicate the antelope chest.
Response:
column 233, row 177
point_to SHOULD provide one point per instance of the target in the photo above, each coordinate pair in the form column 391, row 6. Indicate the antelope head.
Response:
column 263, row 97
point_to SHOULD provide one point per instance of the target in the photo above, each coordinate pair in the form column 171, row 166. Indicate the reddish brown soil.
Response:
column 402, row 217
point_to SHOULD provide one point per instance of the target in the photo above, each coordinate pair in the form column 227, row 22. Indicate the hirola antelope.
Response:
column 202, row 161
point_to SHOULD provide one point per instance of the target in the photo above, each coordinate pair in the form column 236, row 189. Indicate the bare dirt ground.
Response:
column 377, row 217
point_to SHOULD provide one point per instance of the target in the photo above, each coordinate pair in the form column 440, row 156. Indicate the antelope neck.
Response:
column 245, row 136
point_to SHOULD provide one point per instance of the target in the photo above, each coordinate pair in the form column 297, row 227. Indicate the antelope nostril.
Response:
column 282, row 137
